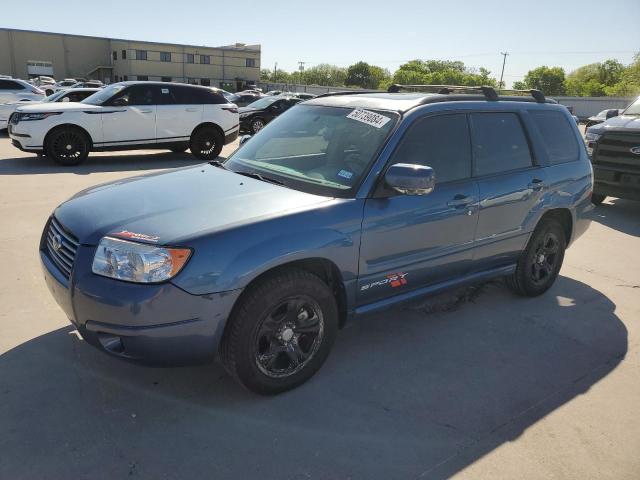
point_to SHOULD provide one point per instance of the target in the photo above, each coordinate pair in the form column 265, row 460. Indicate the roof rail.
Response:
column 489, row 92
column 535, row 93
column 348, row 92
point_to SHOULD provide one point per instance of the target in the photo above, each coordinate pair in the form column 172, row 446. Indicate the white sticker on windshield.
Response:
column 370, row 118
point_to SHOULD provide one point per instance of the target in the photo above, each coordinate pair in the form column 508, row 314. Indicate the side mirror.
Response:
column 244, row 139
column 612, row 113
column 411, row 179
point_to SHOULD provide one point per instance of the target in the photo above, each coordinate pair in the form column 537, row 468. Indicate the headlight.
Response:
column 25, row 117
column 138, row 262
column 592, row 137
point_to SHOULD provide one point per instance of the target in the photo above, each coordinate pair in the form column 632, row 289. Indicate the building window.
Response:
column 205, row 81
column 165, row 56
column 206, row 59
column 166, row 79
column 115, row 55
column 250, row 62
column 143, row 78
column 124, row 54
column 190, row 58
column 126, row 78
column 192, row 81
column 141, row 54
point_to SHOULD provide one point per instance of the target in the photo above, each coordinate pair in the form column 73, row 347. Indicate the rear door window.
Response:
column 440, row 142
column 499, row 143
column 558, row 135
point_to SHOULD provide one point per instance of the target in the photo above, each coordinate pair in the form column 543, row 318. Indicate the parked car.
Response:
column 127, row 116
column 344, row 205
column 50, row 89
column 256, row 115
column 303, row 95
column 244, row 99
column 72, row 95
column 614, row 147
column 43, row 80
column 272, row 93
column 89, row 84
column 603, row 116
column 14, row 90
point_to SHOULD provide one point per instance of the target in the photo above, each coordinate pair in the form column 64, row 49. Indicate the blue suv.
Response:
column 345, row 205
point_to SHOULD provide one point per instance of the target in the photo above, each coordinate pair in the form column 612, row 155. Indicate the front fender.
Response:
column 231, row 259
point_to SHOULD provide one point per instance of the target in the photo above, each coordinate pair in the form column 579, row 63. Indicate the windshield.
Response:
column 320, row 150
column 54, row 97
column 103, row 95
column 634, row 108
column 262, row 103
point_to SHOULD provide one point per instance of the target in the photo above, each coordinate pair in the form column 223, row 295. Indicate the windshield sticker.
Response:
column 136, row 236
column 345, row 174
column 164, row 90
column 370, row 118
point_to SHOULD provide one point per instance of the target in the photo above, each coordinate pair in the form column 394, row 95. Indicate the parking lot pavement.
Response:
column 477, row 383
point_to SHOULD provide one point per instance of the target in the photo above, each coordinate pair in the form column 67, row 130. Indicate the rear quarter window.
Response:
column 558, row 136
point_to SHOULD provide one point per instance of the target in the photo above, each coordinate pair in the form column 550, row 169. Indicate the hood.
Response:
column 622, row 122
column 25, row 102
column 58, row 107
column 174, row 207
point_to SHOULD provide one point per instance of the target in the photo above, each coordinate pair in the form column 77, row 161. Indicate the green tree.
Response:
column 323, row 74
column 441, row 72
column 551, row 80
column 363, row 75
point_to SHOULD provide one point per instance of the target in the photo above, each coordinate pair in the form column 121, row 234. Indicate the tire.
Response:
column 48, row 93
column 597, row 198
column 540, row 263
column 206, row 143
column 180, row 149
column 257, row 124
column 67, row 146
column 272, row 343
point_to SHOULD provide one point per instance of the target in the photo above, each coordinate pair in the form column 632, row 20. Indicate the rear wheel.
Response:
column 281, row 332
column 67, row 146
column 540, row 263
column 597, row 198
column 206, row 143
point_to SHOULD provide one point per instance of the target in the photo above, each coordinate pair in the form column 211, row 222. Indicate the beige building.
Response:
column 26, row 54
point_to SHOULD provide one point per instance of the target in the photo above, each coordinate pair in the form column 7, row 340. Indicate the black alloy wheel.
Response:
column 289, row 336
column 206, row 143
column 67, row 146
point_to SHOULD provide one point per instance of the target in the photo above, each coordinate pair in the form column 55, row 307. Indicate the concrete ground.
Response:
column 479, row 384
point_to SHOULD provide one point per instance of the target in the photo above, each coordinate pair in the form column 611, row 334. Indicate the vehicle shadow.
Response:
column 619, row 214
column 415, row 392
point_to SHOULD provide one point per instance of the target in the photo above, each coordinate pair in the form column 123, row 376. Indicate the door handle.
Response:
column 459, row 201
column 145, row 111
column 536, row 184
column 191, row 109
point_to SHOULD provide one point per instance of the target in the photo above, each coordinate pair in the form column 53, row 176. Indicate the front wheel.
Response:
column 206, row 143
column 540, row 263
column 281, row 332
column 257, row 125
column 67, row 146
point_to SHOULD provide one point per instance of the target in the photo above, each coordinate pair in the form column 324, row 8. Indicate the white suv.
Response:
column 125, row 116
column 15, row 90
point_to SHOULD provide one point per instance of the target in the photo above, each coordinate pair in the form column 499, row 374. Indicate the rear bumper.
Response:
column 160, row 324
column 616, row 182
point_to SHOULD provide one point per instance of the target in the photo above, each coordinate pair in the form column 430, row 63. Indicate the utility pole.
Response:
column 301, row 66
column 504, row 54
column 275, row 73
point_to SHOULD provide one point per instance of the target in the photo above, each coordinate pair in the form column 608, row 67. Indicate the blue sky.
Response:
column 564, row 33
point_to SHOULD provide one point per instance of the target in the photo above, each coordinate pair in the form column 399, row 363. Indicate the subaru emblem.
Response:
column 635, row 150
column 56, row 242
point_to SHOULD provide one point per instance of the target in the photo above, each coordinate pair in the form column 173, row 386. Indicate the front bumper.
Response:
column 160, row 324
column 25, row 137
column 616, row 182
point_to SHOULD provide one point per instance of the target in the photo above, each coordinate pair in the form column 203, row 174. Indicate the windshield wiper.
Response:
column 218, row 163
column 262, row 178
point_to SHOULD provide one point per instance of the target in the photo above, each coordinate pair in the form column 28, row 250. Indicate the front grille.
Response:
column 614, row 149
column 67, row 246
